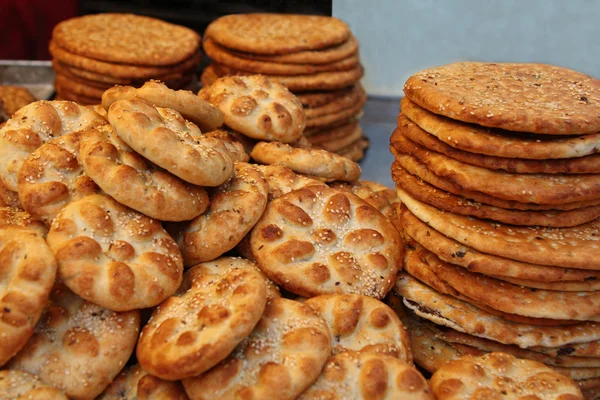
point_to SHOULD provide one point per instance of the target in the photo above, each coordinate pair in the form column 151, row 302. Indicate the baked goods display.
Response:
column 12, row 99
column 92, row 53
column 162, row 243
column 315, row 57
column 498, row 180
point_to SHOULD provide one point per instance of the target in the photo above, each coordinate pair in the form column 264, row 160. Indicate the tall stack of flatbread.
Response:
column 497, row 169
column 316, row 57
column 95, row 52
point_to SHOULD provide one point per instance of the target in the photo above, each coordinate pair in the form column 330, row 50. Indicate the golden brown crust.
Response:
column 12, row 99
column 135, row 182
column 126, row 39
column 124, row 71
column 195, row 159
column 361, row 323
column 20, row 385
column 277, row 33
column 206, row 116
column 17, row 217
column 534, row 98
column 590, row 285
column 446, row 201
column 332, row 117
column 321, row 98
column 315, row 162
column 78, row 347
column 137, row 384
column 379, row 196
column 574, row 247
column 496, row 374
column 322, row 56
column 457, row 253
column 337, row 138
column 231, row 59
column 8, row 198
column 235, row 207
column 195, row 330
column 34, row 125
column 494, row 142
column 356, row 151
column 63, row 94
column 279, row 360
column 257, row 107
column 319, row 240
column 365, row 375
column 114, row 256
column 29, row 270
column 412, row 165
column 465, row 317
column 282, row 180
column 580, row 165
column 52, row 177
column 63, row 83
column 301, row 83
column 524, row 188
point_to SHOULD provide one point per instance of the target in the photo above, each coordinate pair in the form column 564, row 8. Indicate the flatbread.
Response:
column 337, row 138
column 320, row 97
column 224, row 56
column 576, row 247
column 365, row 375
column 524, row 188
column 457, row 253
column 346, row 99
column 464, row 317
column 416, row 168
column 319, row 240
column 277, row 33
column 21, row 385
column 136, row 384
column 321, row 56
column 590, row 285
column 335, row 118
column 495, row 142
column 534, row 98
column 447, row 201
column 126, row 39
column 495, row 375
column 579, row 165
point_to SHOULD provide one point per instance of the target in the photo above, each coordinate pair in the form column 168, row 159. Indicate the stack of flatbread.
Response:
column 316, row 57
column 95, row 52
column 497, row 170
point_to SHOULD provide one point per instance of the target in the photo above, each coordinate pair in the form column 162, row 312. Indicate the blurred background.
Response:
column 397, row 37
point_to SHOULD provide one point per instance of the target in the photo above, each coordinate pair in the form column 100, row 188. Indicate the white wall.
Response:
column 400, row 37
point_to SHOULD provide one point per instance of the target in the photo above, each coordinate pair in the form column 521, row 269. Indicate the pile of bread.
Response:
column 497, row 169
column 316, row 57
column 92, row 53
column 143, row 253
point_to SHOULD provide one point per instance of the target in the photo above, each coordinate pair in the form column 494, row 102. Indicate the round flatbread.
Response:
column 457, row 253
column 498, row 374
column 446, row 201
column 235, row 207
column 114, row 256
column 257, row 107
column 534, row 98
column 364, row 375
column 524, row 188
column 576, row 247
column 281, row 358
column 196, row 159
column 277, row 33
column 137, row 384
column 19, row 385
column 34, row 125
column 206, row 116
column 78, row 347
column 17, row 217
column 134, row 182
column 578, row 165
column 464, row 317
column 361, row 323
column 315, row 162
column 126, row 39
column 379, row 196
column 282, row 180
column 337, row 138
column 28, row 273
column 52, row 177
column 319, row 240
column 225, row 56
column 12, row 99
column 495, row 142
column 323, row 56
column 195, row 330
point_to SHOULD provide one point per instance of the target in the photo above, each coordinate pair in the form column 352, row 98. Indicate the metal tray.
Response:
column 36, row 76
